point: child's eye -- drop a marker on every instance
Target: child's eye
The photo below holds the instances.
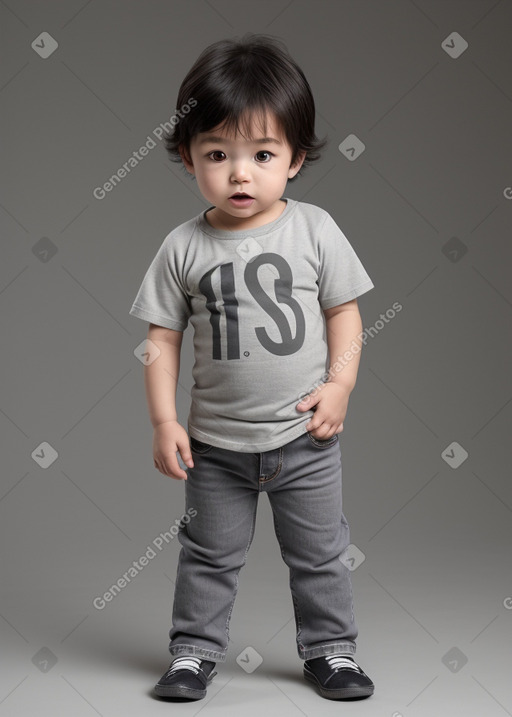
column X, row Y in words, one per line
column 216, row 158
column 264, row 152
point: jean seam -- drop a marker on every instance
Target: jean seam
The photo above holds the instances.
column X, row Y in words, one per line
column 298, row 616
column 319, row 443
column 331, row 649
column 178, row 567
column 186, row 649
column 197, row 449
column 251, row 535
column 266, row 479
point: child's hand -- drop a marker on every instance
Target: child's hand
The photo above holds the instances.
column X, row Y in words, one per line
column 168, row 438
column 331, row 401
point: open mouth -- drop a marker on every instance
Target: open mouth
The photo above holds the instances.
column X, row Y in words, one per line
column 241, row 200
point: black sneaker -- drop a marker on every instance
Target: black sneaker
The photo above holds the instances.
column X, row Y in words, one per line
column 338, row 677
column 186, row 677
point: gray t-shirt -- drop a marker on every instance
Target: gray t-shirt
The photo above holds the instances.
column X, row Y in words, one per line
column 255, row 300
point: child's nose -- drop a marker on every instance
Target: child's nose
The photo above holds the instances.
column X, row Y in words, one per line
column 240, row 171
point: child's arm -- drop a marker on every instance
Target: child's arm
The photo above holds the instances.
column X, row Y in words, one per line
column 161, row 379
column 344, row 330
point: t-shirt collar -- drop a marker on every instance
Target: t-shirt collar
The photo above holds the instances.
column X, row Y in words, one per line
column 206, row 228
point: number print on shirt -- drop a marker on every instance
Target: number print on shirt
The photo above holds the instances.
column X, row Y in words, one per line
column 283, row 290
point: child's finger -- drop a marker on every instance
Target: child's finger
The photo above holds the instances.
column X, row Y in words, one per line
column 175, row 470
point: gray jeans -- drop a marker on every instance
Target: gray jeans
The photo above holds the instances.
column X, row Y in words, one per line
column 303, row 482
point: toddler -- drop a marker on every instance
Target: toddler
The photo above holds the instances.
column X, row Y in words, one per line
column 269, row 284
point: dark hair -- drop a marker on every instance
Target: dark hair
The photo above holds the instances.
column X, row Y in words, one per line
column 231, row 81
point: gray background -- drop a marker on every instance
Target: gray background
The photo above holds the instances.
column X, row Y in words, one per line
column 427, row 208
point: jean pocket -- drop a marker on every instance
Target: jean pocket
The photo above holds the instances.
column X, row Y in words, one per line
column 198, row 446
column 323, row 442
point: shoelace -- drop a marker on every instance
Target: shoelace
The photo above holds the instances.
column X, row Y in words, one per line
column 342, row 662
column 185, row 663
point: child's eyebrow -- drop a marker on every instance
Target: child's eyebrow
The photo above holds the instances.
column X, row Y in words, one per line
column 213, row 138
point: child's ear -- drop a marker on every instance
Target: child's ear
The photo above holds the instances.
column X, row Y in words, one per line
column 186, row 159
column 298, row 164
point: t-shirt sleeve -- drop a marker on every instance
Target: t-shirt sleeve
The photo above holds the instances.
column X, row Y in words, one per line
column 162, row 298
column 341, row 276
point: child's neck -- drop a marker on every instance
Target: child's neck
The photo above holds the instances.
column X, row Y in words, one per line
column 226, row 222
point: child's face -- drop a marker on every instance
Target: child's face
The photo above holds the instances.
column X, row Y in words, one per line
column 226, row 164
